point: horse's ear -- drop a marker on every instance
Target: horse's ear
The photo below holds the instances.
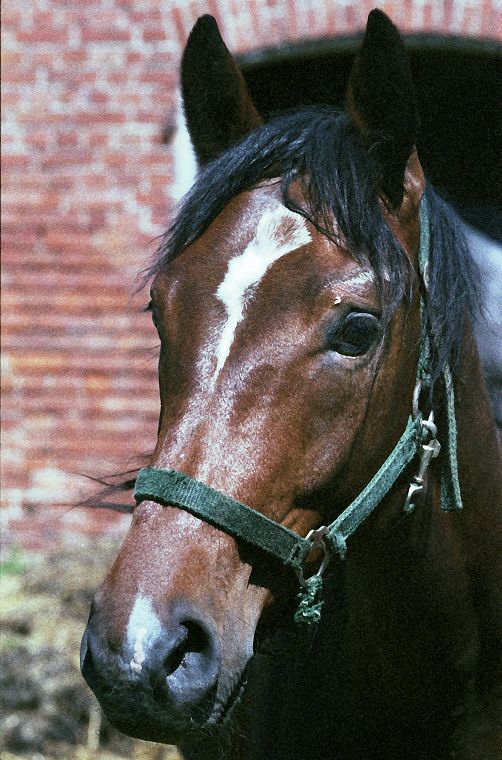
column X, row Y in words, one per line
column 218, row 108
column 381, row 102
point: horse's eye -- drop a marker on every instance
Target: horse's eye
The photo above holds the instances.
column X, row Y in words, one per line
column 355, row 335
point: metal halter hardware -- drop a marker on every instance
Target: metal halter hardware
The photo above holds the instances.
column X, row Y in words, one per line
column 176, row 489
column 429, row 449
column 316, row 537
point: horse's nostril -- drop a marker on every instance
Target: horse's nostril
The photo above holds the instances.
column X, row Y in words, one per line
column 190, row 664
column 194, row 639
column 197, row 638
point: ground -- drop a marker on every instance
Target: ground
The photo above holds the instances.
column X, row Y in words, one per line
column 47, row 710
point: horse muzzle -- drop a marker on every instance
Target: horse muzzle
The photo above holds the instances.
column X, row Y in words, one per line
column 161, row 681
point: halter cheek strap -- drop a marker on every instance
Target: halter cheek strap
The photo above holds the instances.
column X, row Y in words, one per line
column 172, row 488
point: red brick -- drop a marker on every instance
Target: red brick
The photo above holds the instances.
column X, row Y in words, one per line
column 40, row 140
column 150, row 15
column 43, row 33
column 17, row 239
column 68, row 139
column 154, row 34
column 63, row 157
column 98, row 139
column 74, row 57
column 11, row 18
column 99, row 97
column 40, row 57
column 14, row 161
column 100, row 34
column 134, row 57
column 159, row 76
column 99, row 117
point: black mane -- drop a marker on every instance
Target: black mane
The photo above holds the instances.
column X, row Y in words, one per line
column 321, row 148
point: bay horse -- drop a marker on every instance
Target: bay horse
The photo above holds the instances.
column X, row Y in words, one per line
column 325, row 433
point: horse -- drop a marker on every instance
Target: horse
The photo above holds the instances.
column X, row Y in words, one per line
column 314, row 564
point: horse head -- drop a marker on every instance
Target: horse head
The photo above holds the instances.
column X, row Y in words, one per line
column 286, row 298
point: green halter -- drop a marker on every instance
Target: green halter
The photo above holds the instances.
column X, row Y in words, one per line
column 172, row 488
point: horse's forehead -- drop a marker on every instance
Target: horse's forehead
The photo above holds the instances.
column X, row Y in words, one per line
column 240, row 249
column 266, row 232
column 253, row 232
column 259, row 230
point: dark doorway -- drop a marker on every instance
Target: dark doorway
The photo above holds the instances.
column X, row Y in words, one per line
column 459, row 92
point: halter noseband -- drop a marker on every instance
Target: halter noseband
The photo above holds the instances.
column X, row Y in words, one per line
column 172, row 488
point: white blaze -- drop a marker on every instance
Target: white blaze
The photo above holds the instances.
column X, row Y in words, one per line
column 279, row 232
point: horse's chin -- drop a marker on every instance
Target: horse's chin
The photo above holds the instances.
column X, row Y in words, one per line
column 152, row 728
column 168, row 725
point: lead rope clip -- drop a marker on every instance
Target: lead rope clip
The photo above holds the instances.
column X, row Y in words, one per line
column 428, row 451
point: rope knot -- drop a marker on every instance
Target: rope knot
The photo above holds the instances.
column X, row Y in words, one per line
column 310, row 605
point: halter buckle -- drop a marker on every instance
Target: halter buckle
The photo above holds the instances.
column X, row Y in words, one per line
column 316, row 538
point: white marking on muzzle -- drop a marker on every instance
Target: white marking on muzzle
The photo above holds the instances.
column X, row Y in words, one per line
column 143, row 622
column 139, row 654
column 279, row 232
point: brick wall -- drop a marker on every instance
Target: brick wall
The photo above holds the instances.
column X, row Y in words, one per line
column 89, row 90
